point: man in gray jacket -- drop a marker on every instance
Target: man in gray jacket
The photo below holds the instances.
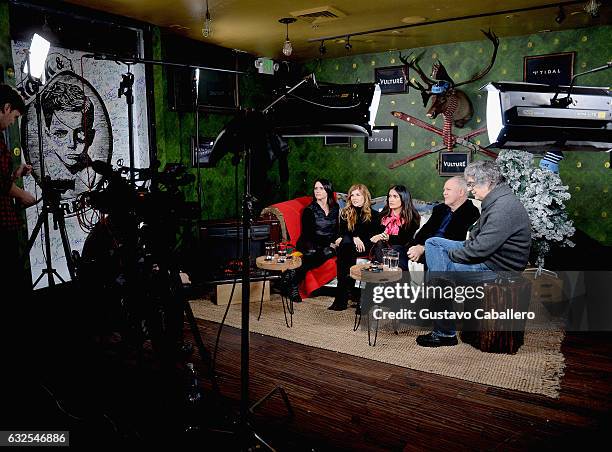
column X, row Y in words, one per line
column 500, row 241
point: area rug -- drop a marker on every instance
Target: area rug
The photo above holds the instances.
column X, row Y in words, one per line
column 536, row 368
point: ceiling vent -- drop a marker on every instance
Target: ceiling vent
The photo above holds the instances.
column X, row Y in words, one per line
column 318, row 15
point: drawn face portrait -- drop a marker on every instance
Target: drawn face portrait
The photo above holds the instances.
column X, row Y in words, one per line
column 75, row 131
column 67, row 138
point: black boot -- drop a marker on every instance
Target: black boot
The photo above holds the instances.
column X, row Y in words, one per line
column 293, row 292
column 340, row 302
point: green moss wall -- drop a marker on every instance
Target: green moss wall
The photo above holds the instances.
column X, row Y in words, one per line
column 586, row 173
column 174, row 131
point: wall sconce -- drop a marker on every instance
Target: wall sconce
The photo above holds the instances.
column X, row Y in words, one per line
column 287, row 47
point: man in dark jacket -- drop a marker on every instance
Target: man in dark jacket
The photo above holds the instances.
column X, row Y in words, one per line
column 500, row 241
column 450, row 220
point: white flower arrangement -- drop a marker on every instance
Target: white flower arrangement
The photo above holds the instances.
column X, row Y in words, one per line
column 543, row 196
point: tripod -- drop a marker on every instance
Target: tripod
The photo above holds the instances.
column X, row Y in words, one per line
column 51, row 205
column 51, row 196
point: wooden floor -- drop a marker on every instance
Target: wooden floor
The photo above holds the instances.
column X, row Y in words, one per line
column 346, row 402
column 60, row 377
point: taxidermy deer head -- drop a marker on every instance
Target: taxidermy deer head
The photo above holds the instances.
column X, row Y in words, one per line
column 446, row 99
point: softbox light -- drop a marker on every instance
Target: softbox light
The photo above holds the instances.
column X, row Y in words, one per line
column 37, row 56
column 329, row 110
column 520, row 115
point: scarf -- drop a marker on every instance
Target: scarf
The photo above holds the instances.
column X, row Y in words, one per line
column 392, row 224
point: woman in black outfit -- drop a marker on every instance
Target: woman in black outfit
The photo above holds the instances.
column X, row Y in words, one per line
column 319, row 230
column 399, row 222
column 358, row 222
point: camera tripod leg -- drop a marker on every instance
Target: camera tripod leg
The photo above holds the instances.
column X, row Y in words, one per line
column 263, row 442
column 61, row 223
column 35, row 232
column 43, row 220
column 283, row 394
column 204, row 354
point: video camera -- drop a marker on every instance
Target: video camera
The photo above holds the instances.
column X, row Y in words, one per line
column 57, row 185
column 118, row 197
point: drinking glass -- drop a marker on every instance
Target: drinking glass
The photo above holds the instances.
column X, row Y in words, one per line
column 282, row 253
column 270, row 250
column 385, row 262
column 393, row 257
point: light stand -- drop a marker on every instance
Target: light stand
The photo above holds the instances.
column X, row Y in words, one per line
column 126, row 89
column 358, row 111
column 247, row 432
column 566, row 101
column 51, row 195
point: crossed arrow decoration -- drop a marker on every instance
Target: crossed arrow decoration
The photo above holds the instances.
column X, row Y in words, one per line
column 463, row 140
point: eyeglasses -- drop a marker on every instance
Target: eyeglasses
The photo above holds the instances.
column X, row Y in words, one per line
column 470, row 185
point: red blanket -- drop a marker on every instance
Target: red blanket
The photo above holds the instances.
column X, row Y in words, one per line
column 292, row 213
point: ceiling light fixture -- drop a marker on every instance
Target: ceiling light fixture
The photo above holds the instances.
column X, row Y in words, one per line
column 592, row 8
column 560, row 15
column 207, row 27
column 348, row 46
column 287, row 47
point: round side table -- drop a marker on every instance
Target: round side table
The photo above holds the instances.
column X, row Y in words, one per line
column 359, row 272
column 274, row 266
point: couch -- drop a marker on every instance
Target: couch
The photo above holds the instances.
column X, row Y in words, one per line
column 289, row 213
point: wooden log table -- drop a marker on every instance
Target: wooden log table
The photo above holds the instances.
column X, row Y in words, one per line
column 500, row 336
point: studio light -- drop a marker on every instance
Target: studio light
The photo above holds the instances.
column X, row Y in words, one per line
column 287, row 47
column 334, row 110
column 521, row 115
column 37, row 56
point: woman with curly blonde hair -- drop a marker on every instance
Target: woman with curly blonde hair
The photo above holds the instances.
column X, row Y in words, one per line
column 358, row 222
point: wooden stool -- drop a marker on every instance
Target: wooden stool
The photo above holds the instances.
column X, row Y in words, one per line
column 487, row 335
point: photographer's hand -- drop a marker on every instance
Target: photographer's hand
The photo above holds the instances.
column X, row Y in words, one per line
column 25, row 198
column 22, row 170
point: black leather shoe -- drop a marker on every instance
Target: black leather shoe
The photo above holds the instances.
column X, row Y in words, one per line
column 338, row 305
column 431, row 340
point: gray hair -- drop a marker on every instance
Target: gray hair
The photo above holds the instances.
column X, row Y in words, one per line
column 484, row 172
column 461, row 182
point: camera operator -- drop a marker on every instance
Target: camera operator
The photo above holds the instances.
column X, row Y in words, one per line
column 130, row 258
column 12, row 262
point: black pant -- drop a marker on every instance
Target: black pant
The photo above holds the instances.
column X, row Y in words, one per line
column 347, row 257
column 313, row 258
